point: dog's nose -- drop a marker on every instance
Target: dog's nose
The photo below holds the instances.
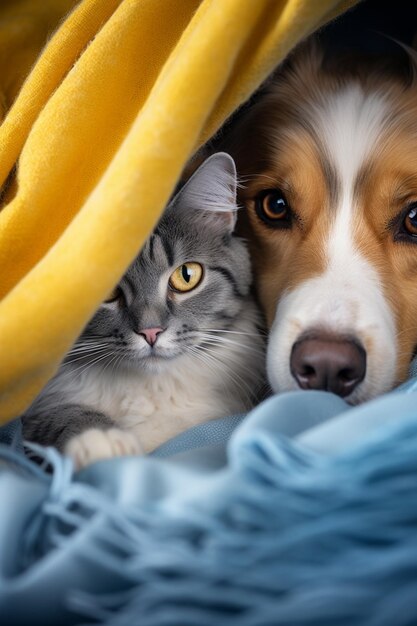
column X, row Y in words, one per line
column 330, row 364
column 151, row 334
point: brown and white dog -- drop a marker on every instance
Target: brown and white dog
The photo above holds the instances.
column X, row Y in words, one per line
column 328, row 161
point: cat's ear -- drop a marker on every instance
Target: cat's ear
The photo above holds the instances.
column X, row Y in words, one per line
column 210, row 194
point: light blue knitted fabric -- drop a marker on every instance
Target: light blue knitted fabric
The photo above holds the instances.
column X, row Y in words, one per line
column 304, row 514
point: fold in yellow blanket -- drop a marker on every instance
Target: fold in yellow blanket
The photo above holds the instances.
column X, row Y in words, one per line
column 94, row 141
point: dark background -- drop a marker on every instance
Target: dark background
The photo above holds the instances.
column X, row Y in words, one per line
column 361, row 27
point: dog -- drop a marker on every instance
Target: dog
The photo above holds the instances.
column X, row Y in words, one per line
column 327, row 156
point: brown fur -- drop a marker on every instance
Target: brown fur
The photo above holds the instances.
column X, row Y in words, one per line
column 275, row 145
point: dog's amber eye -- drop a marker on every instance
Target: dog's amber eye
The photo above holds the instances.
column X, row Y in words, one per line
column 273, row 208
column 186, row 277
column 410, row 222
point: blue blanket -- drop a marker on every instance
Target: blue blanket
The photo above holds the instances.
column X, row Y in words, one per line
column 303, row 513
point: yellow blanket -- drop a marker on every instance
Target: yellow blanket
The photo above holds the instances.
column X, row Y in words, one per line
column 96, row 138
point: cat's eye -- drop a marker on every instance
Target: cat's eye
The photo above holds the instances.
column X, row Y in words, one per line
column 114, row 295
column 273, row 209
column 186, row 277
column 410, row 222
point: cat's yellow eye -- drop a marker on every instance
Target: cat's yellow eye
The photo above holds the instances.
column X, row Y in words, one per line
column 186, row 277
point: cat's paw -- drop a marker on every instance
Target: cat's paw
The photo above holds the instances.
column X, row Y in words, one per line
column 95, row 444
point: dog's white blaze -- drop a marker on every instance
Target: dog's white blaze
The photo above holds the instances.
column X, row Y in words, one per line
column 348, row 297
column 350, row 125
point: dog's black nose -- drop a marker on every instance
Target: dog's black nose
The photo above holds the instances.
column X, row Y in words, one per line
column 328, row 363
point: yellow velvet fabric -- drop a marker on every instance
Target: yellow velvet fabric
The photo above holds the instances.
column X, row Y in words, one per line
column 122, row 94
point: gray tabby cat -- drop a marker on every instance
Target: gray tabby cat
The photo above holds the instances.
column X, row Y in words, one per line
column 176, row 343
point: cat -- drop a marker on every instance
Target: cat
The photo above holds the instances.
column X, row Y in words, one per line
column 177, row 343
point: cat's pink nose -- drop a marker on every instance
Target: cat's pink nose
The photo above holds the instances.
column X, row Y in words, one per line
column 151, row 334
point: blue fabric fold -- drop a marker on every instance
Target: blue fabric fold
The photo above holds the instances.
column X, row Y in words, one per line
column 302, row 513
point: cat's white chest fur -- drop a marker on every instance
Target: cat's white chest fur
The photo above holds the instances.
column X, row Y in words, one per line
column 155, row 407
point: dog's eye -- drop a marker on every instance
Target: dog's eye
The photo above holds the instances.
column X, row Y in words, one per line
column 410, row 222
column 273, row 208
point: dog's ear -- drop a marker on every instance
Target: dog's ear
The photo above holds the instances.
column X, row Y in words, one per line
column 210, row 194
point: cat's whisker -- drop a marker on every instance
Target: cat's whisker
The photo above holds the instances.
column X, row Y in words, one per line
column 83, row 340
column 85, row 352
column 202, row 357
column 216, row 335
column 235, row 358
column 86, row 366
column 214, row 365
column 234, row 376
column 225, row 341
column 84, row 356
column 240, row 365
column 107, row 363
column 111, row 363
column 119, row 361
column 80, row 346
column 88, row 348
column 233, row 332
column 92, row 337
